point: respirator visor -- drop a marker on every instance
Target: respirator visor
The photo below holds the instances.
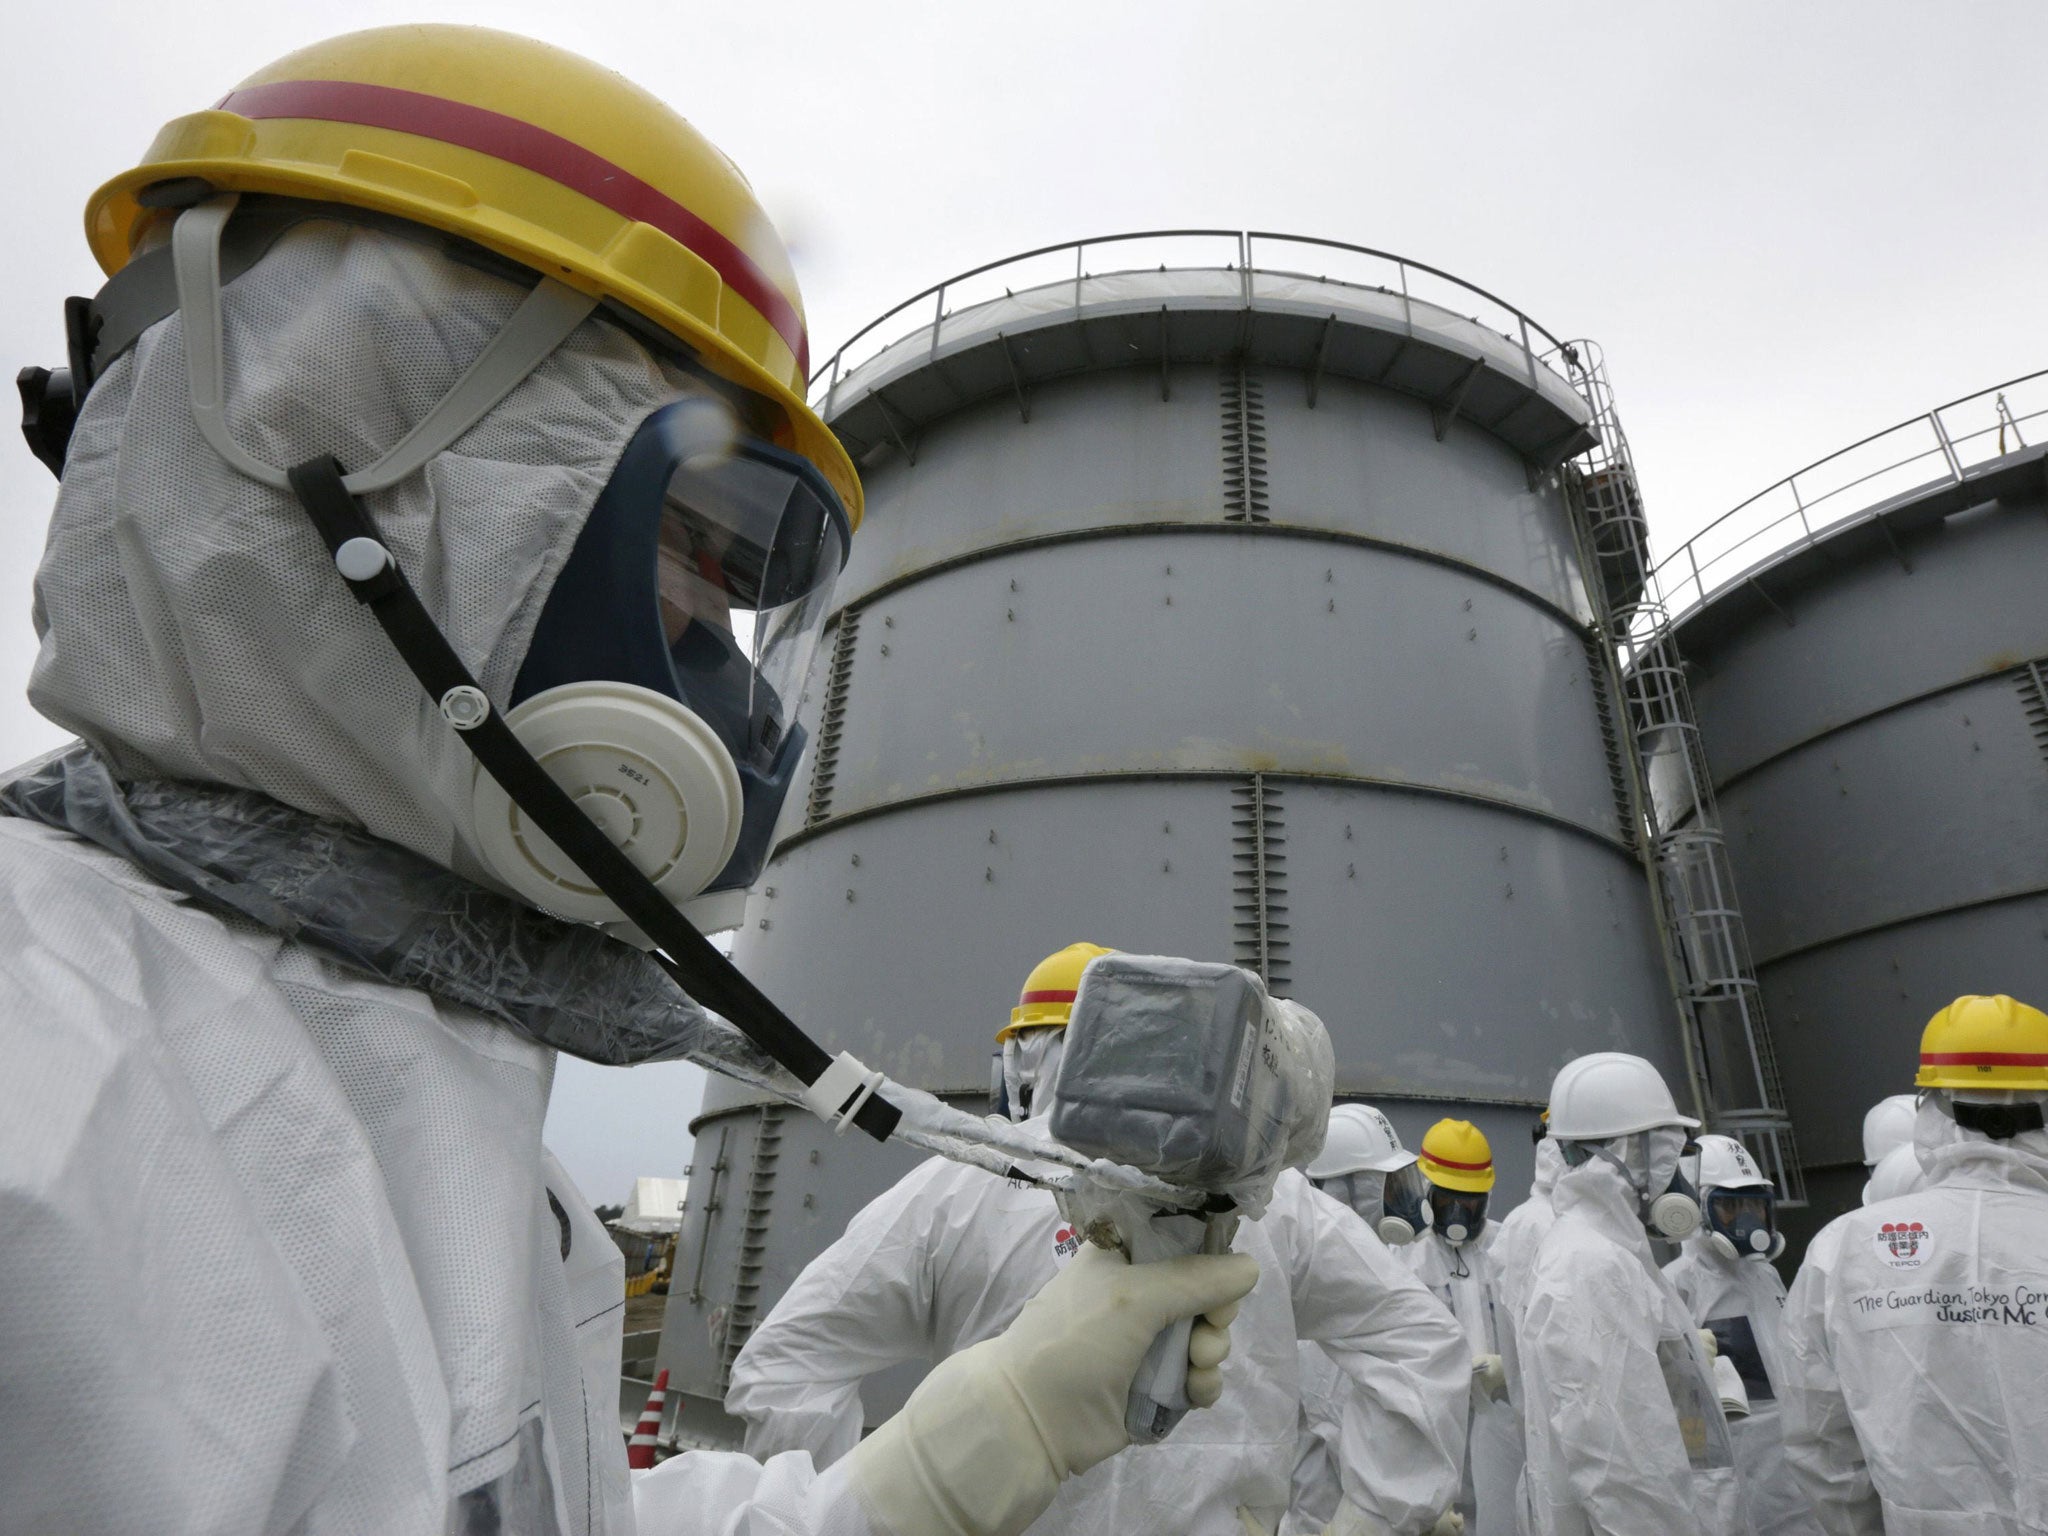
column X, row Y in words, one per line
column 1406, row 1197
column 751, row 542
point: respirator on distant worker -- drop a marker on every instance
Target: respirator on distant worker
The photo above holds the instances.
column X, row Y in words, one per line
column 1740, row 1204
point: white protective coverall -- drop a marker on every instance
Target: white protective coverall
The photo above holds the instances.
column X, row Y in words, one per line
column 1625, row 1435
column 282, row 1249
column 1512, row 1260
column 1743, row 1301
column 1916, row 1349
column 1518, row 1235
column 946, row 1258
column 1460, row 1275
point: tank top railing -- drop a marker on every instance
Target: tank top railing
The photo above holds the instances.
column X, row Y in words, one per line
column 1060, row 276
column 1853, row 485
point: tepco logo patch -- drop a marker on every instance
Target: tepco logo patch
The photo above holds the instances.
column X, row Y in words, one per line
column 1904, row 1244
column 1066, row 1242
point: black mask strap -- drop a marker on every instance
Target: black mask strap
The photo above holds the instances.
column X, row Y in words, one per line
column 2001, row 1122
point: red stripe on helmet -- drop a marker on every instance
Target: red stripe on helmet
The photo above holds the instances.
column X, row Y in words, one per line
column 1445, row 1162
column 1984, row 1058
column 1044, row 997
column 535, row 149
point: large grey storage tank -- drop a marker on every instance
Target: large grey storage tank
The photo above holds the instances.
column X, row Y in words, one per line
column 1203, row 607
column 1868, row 670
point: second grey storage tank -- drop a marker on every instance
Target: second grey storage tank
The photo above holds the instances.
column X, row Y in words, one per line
column 1870, row 670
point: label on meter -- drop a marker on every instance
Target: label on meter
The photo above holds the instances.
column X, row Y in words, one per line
column 1247, row 1053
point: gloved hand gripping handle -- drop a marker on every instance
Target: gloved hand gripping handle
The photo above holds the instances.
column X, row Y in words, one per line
column 1159, row 1393
column 376, row 581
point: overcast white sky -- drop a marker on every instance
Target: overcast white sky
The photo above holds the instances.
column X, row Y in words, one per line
column 1788, row 224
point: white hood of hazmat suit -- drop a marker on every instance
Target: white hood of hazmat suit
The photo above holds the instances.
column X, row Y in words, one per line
column 1916, row 1345
column 192, row 623
column 1460, row 1275
column 283, row 1249
column 948, row 1256
column 1743, row 1301
column 1623, row 1421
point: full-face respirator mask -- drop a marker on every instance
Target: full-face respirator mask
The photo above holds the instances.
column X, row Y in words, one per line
column 1653, row 1162
column 661, row 685
column 1742, row 1224
column 1457, row 1215
column 1740, row 1202
column 1395, row 1205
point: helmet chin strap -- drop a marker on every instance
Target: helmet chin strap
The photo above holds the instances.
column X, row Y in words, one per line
column 838, row 1089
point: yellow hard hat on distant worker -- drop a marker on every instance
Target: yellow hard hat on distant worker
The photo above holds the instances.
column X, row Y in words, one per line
column 1048, row 996
column 1985, row 1042
column 531, row 152
column 1455, row 1155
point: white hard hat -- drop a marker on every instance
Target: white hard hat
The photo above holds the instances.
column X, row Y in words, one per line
column 1889, row 1124
column 1725, row 1163
column 1897, row 1173
column 1610, row 1093
column 1360, row 1140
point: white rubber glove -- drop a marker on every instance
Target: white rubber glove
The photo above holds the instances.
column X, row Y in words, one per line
column 1711, row 1344
column 983, row 1444
column 1449, row 1523
column 1491, row 1376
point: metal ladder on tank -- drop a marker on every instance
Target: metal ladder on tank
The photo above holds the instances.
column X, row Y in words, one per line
column 1728, row 1039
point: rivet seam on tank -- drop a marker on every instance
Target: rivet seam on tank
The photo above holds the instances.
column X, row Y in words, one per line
column 832, row 718
column 1243, row 400
column 2033, row 687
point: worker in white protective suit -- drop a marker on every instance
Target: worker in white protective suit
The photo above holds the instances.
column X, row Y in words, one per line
column 1454, row 1259
column 1916, row 1332
column 1726, row 1277
column 1887, row 1128
column 945, row 1258
column 1517, row 1238
column 1623, row 1420
column 281, row 1010
column 1364, row 1167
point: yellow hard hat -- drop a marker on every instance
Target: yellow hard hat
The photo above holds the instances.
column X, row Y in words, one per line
column 531, row 151
column 1455, row 1156
column 1048, row 996
column 1985, row 1042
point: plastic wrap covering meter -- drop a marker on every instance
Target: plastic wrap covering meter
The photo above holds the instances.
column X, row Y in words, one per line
column 1185, row 1070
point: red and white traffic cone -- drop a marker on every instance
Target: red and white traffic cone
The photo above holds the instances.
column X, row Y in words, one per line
column 640, row 1449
